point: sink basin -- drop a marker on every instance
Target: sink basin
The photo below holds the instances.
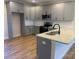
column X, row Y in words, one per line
column 52, row 33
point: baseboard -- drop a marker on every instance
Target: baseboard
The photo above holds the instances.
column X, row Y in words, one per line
column 14, row 36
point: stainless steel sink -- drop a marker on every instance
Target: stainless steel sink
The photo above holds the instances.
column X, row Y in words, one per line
column 52, row 33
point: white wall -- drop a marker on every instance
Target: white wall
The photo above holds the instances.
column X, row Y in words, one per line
column 39, row 23
column 6, row 36
column 69, row 24
column 29, row 23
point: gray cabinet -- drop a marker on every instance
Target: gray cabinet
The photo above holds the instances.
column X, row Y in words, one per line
column 69, row 11
column 16, row 7
column 26, row 30
column 43, row 48
column 63, row 11
column 32, row 30
column 32, row 13
column 50, row 49
column 38, row 13
column 41, row 10
column 29, row 30
column 46, row 9
column 36, row 29
column 27, row 12
column 57, row 11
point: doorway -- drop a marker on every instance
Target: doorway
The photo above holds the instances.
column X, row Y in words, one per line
column 16, row 26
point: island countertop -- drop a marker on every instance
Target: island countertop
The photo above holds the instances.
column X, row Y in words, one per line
column 66, row 35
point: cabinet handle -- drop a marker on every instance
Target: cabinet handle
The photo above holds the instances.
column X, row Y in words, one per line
column 63, row 18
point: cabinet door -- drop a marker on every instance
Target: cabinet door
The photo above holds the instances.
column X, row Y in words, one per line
column 27, row 12
column 46, row 9
column 16, row 7
column 36, row 29
column 38, row 13
column 58, row 11
column 32, row 13
column 26, row 30
column 21, row 8
column 69, row 11
column 13, row 7
column 43, row 48
column 31, row 28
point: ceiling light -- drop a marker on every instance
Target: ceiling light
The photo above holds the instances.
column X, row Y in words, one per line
column 33, row 1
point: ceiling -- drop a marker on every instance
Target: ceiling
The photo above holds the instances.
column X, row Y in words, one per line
column 41, row 1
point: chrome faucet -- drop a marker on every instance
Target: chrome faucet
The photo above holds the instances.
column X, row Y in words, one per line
column 58, row 26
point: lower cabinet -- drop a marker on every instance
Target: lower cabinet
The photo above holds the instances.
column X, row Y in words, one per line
column 36, row 30
column 43, row 48
column 29, row 30
column 49, row 49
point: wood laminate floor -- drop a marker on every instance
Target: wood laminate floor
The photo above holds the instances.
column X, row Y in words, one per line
column 25, row 48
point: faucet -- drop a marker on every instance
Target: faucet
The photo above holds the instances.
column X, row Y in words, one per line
column 58, row 26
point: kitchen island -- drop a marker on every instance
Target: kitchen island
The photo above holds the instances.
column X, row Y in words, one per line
column 54, row 46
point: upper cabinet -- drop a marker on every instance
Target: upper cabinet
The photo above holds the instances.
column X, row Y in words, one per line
column 63, row 11
column 32, row 13
column 46, row 10
column 29, row 12
column 38, row 13
column 69, row 11
column 16, row 7
column 57, row 11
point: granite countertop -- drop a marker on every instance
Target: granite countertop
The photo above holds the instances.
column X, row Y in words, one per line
column 66, row 35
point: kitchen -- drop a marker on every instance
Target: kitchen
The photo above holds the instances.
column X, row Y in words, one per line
column 25, row 19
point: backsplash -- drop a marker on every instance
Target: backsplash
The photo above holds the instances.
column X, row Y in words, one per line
column 29, row 23
column 69, row 24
